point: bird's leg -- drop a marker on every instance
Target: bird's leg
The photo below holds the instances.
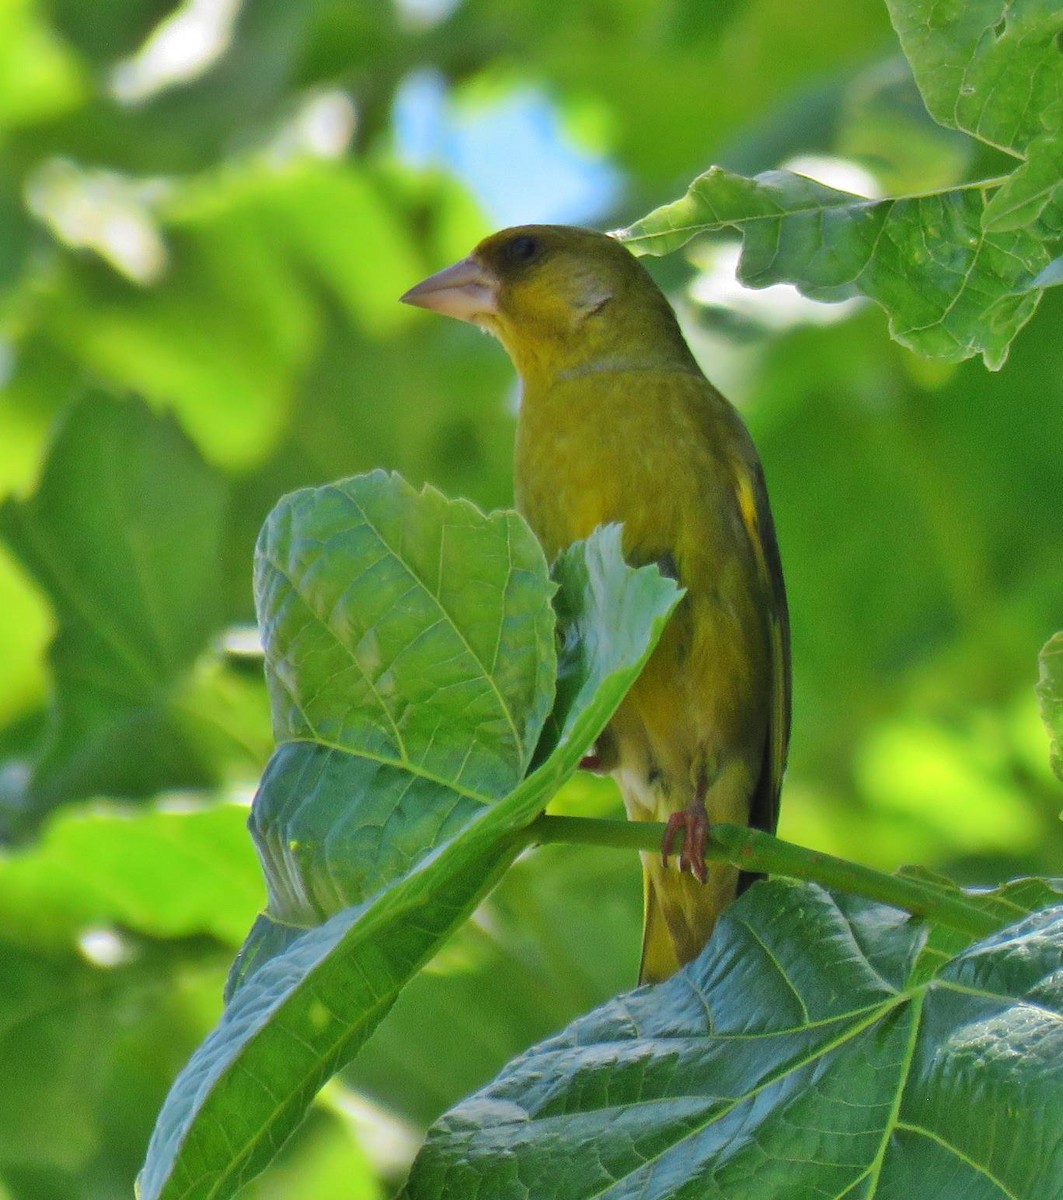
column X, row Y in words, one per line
column 694, row 823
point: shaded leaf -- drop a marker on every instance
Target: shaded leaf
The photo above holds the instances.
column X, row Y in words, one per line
column 67, row 1026
column 303, row 1012
column 799, row 1055
column 951, row 288
column 54, row 1013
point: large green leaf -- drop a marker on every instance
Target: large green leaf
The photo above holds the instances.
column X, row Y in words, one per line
column 815, row 1048
column 951, row 287
column 990, row 67
column 124, row 534
column 305, row 1010
column 1050, row 693
column 410, row 660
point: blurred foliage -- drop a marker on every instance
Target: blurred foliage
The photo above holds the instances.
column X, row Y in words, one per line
column 225, row 235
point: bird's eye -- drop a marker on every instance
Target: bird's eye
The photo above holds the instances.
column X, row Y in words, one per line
column 523, row 249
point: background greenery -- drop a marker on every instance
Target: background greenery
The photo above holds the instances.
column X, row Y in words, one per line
column 227, row 245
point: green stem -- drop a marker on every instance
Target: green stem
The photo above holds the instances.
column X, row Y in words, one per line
column 755, row 850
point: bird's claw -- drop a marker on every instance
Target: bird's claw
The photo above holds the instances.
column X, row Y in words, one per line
column 693, row 821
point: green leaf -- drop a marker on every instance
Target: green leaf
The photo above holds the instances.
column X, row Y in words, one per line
column 410, row 660
column 85, row 1043
column 159, row 873
column 124, row 534
column 800, row 1055
column 1050, row 694
column 1033, row 192
column 359, row 555
column 950, row 287
column 989, row 67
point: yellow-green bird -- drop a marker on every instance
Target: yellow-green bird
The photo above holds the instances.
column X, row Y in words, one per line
column 618, row 423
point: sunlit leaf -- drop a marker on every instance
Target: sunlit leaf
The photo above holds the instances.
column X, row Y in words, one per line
column 234, row 309
column 990, row 67
column 808, row 1051
column 950, row 287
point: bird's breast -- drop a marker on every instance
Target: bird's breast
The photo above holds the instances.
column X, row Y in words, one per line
column 630, row 447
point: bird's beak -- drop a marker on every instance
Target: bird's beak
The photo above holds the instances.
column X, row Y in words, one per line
column 467, row 290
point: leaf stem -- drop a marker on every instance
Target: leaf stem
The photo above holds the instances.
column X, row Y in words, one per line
column 755, row 850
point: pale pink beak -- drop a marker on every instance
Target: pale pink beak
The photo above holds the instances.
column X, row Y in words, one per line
column 466, row 290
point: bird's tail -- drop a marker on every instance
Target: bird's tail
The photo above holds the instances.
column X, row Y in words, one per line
column 680, row 914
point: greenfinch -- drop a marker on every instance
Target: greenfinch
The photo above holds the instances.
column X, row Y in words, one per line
column 617, row 423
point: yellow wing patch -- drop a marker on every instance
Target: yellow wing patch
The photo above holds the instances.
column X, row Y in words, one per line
column 747, row 504
column 750, row 505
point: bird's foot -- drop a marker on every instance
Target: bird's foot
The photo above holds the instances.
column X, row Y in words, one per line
column 693, row 821
column 592, row 762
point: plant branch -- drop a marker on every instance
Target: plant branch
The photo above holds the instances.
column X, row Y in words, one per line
column 755, row 850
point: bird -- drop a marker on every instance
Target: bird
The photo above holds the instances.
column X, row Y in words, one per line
column 618, row 423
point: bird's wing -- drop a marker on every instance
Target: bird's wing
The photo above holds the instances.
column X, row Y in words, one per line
column 756, row 516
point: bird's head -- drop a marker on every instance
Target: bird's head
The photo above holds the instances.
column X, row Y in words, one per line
column 558, row 298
